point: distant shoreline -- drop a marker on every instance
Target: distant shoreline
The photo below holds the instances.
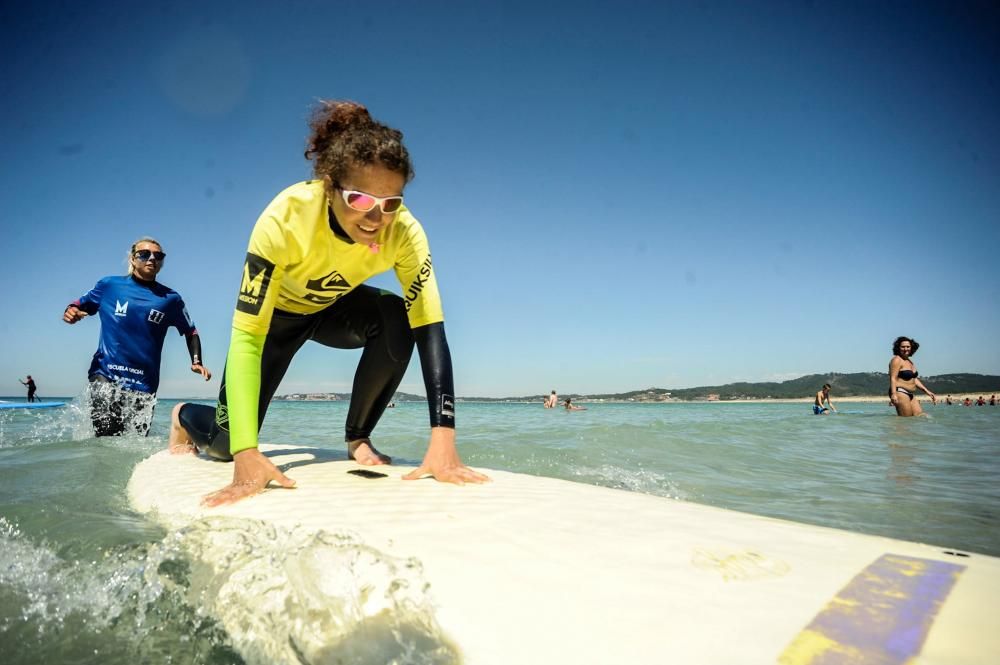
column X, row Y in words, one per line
column 858, row 387
column 864, row 386
column 956, row 398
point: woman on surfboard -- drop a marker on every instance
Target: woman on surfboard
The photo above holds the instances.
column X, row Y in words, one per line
column 903, row 381
column 309, row 255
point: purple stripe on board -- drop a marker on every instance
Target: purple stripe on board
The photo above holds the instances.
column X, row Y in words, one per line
column 882, row 616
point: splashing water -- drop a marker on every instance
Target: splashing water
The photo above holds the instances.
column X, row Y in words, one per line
column 110, row 402
column 118, row 606
column 637, row 479
column 73, row 421
column 291, row 596
column 280, row 595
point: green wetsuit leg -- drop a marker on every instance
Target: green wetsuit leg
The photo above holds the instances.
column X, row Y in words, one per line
column 287, row 334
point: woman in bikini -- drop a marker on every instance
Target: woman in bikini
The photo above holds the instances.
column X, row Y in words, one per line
column 903, row 381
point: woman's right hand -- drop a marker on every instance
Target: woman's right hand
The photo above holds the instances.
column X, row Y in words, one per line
column 252, row 471
column 72, row 314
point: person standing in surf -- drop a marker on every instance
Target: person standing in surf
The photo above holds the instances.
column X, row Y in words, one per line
column 30, row 383
column 309, row 254
column 903, row 381
column 823, row 396
column 135, row 311
column 551, row 400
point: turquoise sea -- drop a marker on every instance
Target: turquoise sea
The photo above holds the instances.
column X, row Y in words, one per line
column 83, row 579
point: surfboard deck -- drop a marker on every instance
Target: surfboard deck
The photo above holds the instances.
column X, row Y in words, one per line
column 30, row 405
column 529, row 569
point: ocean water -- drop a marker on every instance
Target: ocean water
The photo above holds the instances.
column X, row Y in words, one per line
column 83, row 579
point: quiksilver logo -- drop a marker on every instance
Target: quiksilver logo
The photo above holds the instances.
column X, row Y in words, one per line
column 222, row 416
column 257, row 273
column 417, row 285
column 447, row 406
column 330, row 287
column 155, row 316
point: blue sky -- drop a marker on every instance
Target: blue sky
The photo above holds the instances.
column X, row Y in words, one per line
column 618, row 194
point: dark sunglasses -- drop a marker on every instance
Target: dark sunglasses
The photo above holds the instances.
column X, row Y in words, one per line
column 147, row 254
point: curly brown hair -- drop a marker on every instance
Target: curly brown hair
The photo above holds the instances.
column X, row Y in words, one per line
column 899, row 340
column 345, row 136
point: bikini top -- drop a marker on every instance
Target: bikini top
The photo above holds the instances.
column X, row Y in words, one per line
column 907, row 374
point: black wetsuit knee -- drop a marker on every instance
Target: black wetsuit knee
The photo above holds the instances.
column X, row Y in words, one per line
column 198, row 420
column 388, row 347
column 396, row 328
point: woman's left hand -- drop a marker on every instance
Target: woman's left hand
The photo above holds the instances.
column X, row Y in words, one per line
column 442, row 461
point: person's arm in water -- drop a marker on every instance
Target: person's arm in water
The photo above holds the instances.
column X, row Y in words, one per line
column 441, row 459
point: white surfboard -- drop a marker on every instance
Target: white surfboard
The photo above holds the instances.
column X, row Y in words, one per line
column 527, row 569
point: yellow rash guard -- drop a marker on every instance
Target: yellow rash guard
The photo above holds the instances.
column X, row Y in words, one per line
column 296, row 263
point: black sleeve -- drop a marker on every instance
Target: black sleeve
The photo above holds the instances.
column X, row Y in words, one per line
column 194, row 348
column 435, row 361
column 90, row 308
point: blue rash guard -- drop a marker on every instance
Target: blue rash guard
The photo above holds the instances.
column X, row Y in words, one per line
column 134, row 317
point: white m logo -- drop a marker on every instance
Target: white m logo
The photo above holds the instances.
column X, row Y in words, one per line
column 120, row 309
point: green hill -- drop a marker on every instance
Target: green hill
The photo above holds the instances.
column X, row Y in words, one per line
column 843, row 385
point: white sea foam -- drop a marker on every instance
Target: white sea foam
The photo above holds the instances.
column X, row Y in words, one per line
column 646, row 481
column 291, row 596
column 99, row 592
column 284, row 596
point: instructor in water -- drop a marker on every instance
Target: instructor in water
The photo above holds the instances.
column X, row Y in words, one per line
column 135, row 311
column 303, row 279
